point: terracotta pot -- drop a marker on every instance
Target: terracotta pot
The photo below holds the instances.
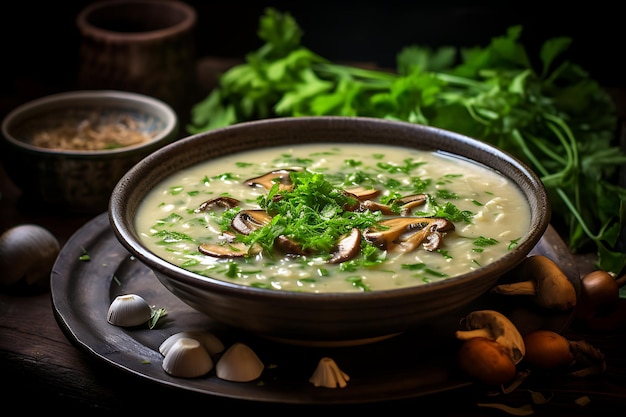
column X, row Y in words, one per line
column 143, row 46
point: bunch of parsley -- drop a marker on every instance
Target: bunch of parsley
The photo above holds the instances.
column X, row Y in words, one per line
column 556, row 119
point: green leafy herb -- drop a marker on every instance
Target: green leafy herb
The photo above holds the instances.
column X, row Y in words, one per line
column 169, row 237
column 175, row 190
column 312, row 213
column 554, row 118
column 157, row 315
column 85, row 256
column 357, row 282
column 513, row 243
column 482, row 241
column 485, row 241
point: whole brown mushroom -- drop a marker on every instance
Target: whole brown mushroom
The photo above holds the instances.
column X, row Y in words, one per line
column 599, row 293
column 544, row 281
column 486, row 360
column 496, row 326
column 546, row 349
column 599, row 307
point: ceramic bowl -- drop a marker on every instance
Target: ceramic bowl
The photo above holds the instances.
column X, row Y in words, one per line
column 144, row 46
column 320, row 317
column 57, row 148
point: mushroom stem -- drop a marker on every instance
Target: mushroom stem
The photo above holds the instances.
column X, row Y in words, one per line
column 588, row 357
column 545, row 281
column 516, row 288
column 470, row 334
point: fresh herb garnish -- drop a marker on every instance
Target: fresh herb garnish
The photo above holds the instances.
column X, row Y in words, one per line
column 157, row 315
column 312, row 213
column 84, row 256
column 169, row 237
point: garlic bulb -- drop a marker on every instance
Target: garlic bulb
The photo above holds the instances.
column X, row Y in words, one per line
column 129, row 310
column 210, row 342
column 187, row 358
column 239, row 364
column 327, row 374
column 27, row 254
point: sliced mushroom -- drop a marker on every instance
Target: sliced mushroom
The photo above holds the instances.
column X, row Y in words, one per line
column 430, row 235
column 247, row 221
column 422, row 229
column 231, row 250
column 363, row 193
column 353, row 203
column 289, row 246
column 228, row 236
column 386, row 233
column 409, row 202
column 375, row 206
column 347, row 247
column 267, row 181
column 495, row 326
column 222, row 202
column 544, row 281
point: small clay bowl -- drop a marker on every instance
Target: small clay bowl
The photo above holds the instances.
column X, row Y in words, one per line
column 67, row 151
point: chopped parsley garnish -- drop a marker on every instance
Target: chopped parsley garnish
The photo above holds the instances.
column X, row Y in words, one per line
column 312, row 213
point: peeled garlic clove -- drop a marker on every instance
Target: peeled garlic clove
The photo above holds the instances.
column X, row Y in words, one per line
column 129, row 310
column 211, row 343
column 187, row 358
column 27, row 253
column 239, row 364
column 327, row 374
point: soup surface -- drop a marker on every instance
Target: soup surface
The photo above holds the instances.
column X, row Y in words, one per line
column 418, row 217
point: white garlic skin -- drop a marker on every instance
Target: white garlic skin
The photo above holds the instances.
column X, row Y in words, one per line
column 129, row 310
column 27, row 253
column 211, row 343
column 187, row 358
column 239, row 364
column 327, row 374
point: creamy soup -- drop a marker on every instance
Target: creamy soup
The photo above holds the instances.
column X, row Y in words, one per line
column 373, row 218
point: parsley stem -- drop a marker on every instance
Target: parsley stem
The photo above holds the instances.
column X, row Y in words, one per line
column 462, row 81
column 544, row 175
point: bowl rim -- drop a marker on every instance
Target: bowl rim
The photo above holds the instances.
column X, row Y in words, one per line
column 89, row 29
column 123, row 227
column 104, row 98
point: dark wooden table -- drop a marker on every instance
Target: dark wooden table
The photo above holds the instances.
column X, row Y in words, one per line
column 43, row 370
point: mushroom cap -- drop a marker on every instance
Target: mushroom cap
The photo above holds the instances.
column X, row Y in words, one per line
column 267, row 180
column 347, row 248
column 408, row 232
column 554, row 289
column 544, row 281
column 496, row 326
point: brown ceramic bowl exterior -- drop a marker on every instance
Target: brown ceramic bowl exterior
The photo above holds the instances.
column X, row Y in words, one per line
column 308, row 316
column 79, row 181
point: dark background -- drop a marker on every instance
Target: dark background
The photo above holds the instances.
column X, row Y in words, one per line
column 40, row 41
